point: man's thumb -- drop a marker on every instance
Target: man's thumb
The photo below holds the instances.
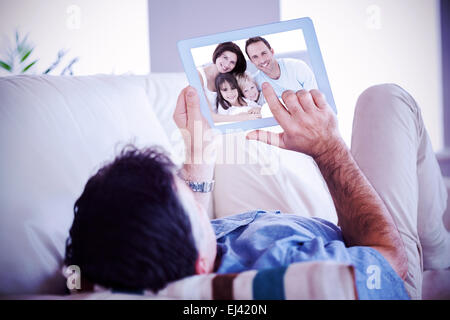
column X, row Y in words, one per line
column 192, row 99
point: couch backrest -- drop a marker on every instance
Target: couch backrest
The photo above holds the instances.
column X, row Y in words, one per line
column 55, row 132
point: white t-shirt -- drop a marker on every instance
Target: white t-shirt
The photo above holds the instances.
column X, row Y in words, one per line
column 210, row 95
column 295, row 75
column 238, row 109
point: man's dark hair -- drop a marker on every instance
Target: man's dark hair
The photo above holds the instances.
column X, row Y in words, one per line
column 254, row 40
column 130, row 231
column 241, row 63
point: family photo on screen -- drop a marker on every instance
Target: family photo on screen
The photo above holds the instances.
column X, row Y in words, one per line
column 232, row 82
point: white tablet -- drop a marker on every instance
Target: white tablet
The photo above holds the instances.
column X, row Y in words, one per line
column 228, row 68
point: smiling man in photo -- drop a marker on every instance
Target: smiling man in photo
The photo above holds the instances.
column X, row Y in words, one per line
column 283, row 73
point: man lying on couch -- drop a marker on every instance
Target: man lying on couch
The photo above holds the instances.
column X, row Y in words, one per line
column 140, row 223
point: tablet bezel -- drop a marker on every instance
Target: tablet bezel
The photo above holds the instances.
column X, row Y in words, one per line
column 313, row 49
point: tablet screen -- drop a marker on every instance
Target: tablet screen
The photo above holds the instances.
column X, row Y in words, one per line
column 229, row 69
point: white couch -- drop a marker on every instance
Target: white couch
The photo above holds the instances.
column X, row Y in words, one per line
column 55, row 132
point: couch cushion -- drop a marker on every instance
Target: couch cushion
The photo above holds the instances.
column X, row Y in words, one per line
column 55, row 132
column 162, row 91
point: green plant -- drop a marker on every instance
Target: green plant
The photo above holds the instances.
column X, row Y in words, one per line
column 18, row 59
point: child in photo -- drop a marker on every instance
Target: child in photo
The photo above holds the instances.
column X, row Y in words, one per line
column 251, row 91
column 249, row 88
column 230, row 99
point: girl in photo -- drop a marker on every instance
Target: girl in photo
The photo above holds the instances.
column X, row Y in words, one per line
column 230, row 99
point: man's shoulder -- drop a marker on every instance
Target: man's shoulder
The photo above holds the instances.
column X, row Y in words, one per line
column 225, row 225
column 292, row 62
column 244, row 217
column 230, row 223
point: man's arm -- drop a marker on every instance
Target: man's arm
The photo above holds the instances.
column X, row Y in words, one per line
column 363, row 217
column 310, row 127
column 199, row 173
column 198, row 140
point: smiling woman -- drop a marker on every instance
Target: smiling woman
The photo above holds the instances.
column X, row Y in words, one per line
column 227, row 59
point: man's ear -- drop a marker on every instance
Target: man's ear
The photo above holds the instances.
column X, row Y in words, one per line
column 201, row 266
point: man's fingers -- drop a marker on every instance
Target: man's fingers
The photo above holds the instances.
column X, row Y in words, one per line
column 291, row 101
column 306, row 101
column 278, row 111
column 319, row 99
column 271, row 138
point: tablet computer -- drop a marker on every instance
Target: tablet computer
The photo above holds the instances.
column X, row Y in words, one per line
column 228, row 68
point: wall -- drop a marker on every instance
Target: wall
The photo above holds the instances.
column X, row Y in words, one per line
column 445, row 36
column 366, row 42
column 444, row 156
column 363, row 42
column 108, row 36
column 174, row 20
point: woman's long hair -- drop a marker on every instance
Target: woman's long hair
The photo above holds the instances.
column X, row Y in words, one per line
column 220, row 79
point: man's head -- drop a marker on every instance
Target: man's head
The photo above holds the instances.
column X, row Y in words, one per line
column 137, row 225
column 261, row 54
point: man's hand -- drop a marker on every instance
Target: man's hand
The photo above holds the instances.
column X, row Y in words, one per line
column 193, row 126
column 199, row 141
column 309, row 124
column 187, row 110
